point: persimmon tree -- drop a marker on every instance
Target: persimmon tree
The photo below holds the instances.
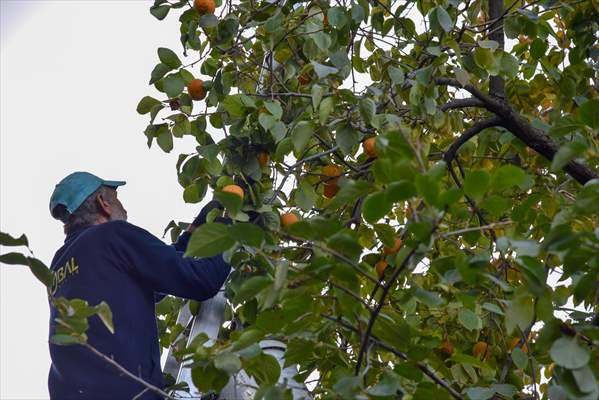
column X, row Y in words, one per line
column 413, row 187
column 441, row 159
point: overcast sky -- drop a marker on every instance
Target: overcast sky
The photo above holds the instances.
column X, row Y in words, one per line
column 72, row 73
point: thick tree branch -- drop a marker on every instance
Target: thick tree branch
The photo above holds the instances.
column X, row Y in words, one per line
column 468, row 134
column 533, row 137
column 462, row 103
column 496, row 83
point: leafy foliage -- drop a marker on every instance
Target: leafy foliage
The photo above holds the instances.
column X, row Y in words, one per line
column 467, row 129
column 484, row 164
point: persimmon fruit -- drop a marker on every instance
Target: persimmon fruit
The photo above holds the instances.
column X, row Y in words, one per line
column 369, row 147
column 288, row 219
column 204, row 6
column 196, row 89
column 235, row 189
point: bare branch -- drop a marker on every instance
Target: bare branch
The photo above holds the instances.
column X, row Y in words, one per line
column 118, row 366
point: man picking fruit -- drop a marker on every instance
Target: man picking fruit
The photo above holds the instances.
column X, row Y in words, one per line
column 105, row 258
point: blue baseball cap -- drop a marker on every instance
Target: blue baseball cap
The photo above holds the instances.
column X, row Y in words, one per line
column 72, row 191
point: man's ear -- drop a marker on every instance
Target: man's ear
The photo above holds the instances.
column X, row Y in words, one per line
column 103, row 205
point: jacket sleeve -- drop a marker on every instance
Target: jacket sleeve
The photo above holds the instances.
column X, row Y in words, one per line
column 162, row 267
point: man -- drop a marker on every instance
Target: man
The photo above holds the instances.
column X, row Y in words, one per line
column 104, row 258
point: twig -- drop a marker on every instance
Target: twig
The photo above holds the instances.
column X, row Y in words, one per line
column 420, row 365
column 476, row 228
column 118, row 366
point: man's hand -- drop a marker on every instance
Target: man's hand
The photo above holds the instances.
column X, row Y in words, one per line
column 201, row 218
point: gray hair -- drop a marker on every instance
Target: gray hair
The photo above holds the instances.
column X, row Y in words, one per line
column 88, row 212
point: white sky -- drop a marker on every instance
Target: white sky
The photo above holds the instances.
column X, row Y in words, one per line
column 72, row 73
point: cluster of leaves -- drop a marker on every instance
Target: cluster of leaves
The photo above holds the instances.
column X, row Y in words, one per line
column 72, row 314
column 488, row 225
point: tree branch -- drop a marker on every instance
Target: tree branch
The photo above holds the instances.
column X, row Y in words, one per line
column 468, row 134
column 533, row 137
column 462, row 103
column 421, row 366
column 496, row 83
column 137, row 379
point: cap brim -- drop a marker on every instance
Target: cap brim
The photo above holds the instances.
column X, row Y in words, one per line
column 113, row 183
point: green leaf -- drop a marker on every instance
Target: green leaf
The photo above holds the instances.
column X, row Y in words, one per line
column 158, row 72
column 7, row 240
column 234, row 105
column 160, row 11
column 105, row 315
column 168, row 57
column 509, row 65
column 396, row 74
column 323, row 70
column 251, row 287
column 375, row 207
column 247, row 233
column 267, row 121
column 431, row 299
column 462, row 76
column 265, row 369
column 424, row 75
column 567, row 153
column 477, row 183
column 388, row 385
column 469, row 320
column 248, row 337
column 173, row 85
column 483, row 58
column 14, row 259
column 488, row 44
column 519, row 313
column 228, row 362
column 145, row 105
column 209, row 240
column 164, row 138
column 230, row 201
column 568, row 353
column 538, row 48
column 519, row 357
column 347, row 137
column 325, row 109
column 305, row 196
column 494, row 308
column 508, row 176
column 41, row 271
column 350, row 191
column 317, row 91
column 301, row 134
column 585, row 380
column 444, row 19
column 589, row 113
column 208, row 21
column 367, row 109
column 274, row 107
column 337, row 17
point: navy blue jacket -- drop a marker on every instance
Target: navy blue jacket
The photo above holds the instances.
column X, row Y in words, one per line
column 123, row 265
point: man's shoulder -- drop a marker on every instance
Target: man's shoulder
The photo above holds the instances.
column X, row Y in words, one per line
column 111, row 228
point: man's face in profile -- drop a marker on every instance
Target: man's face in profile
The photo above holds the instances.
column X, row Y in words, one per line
column 118, row 211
